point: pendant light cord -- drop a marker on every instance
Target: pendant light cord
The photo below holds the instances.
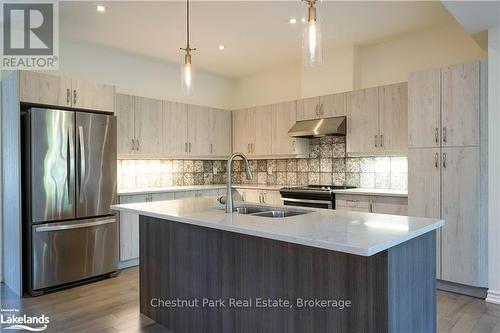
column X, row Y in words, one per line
column 187, row 22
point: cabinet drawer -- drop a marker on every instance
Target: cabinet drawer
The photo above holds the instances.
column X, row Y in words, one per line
column 352, row 202
column 390, row 205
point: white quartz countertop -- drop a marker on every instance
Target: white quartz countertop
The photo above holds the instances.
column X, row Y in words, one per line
column 169, row 189
column 368, row 191
column 357, row 233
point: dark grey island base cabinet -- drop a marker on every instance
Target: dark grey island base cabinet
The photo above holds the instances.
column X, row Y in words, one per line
column 391, row 291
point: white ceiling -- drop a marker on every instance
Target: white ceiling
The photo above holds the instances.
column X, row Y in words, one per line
column 256, row 34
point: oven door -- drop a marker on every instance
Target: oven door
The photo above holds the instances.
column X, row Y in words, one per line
column 315, row 203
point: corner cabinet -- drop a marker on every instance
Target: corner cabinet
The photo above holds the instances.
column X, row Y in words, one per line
column 377, row 120
column 51, row 90
column 445, row 166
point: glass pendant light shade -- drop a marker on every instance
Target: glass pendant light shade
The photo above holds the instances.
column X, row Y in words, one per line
column 187, row 74
column 311, row 42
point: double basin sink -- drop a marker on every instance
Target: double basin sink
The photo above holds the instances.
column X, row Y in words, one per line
column 271, row 212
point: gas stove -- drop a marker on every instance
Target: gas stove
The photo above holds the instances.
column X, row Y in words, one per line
column 319, row 196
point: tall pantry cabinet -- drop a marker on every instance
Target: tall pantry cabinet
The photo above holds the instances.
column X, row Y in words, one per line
column 446, row 163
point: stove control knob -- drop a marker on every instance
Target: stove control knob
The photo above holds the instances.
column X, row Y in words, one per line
column 328, row 188
column 323, row 188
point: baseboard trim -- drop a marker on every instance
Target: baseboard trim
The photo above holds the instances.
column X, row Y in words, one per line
column 128, row 263
column 463, row 289
column 493, row 297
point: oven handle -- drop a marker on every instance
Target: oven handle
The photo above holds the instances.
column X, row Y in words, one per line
column 329, row 203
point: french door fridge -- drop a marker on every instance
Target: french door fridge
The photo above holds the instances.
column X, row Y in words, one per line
column 69, row 175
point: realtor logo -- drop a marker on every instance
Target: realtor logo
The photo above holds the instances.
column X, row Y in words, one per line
column 30, row 35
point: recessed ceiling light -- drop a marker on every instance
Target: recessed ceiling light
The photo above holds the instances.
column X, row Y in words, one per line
column 101, row 8
column 292, row 21
column 221, row 47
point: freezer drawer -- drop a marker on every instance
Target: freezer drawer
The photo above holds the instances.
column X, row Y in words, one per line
column 71, row 251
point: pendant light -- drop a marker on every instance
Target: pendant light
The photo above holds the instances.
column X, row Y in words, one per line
column 311, row 42
column 186, row 65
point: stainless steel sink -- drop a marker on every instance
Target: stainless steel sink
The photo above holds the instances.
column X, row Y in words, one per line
column 267, row 211
column 281, row 213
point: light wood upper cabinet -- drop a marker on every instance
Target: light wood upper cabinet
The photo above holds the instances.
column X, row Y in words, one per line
column 148, row 126
column 262, row 141
column 332, row 105
column 308, row 108
column 243, row 130
column 220, row 123
column 461, row 240
column 175, row 129
column 93, row 96
column 362, row 121
column 283, row 118
column 199, row 130
column 424, row 112
column 54, row 90
column 321, row 107
column 460, row 105
column 44, row 89
column 125, row 124
column 393, row 117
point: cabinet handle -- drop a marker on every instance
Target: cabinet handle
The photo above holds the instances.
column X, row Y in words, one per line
column 185, row 147
column 211, row 148
column 371, row 205
column 293, row 146
column 74, row 97
column 252, row 150
column 248, row 148
column 68, row 96
column 321, row 109
column 244, row 196
column 133, row 145
column 436, row 160
column 317, row 111
column 352, row 200
column 376, row 137
column 444, row 134
column 190, row 147
column 436, row 135
column 381, row 140
column 444, row 160
column 137, row 144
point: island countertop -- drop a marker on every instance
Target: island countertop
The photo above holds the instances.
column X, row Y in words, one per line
column 357, row 233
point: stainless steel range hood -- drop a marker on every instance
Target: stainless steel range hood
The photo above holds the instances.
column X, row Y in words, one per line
column 316, row 128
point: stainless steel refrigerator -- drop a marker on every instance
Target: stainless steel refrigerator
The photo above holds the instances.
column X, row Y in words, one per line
column 69, row 176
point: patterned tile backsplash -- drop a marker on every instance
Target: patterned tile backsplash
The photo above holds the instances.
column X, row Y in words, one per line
column 327, row 164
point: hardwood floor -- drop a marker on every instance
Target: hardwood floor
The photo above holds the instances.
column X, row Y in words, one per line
column 112, row 305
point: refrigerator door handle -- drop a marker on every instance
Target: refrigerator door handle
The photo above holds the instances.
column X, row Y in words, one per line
column 70, row 162
column 50, row 227
column 82, row 162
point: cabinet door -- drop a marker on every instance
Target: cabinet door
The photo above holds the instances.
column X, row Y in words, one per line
column 424, row 109
column 44, row 89
column 332, row 105
column 389, row 205
column 162, row 196
column 253, row 196
column 271, row 197
column 148, row 129
column 184, row 194
column 461, row 241
column 125, row 124
column 358, row 203
column 283, row 117
column 393, row 116
column 209, row 194
column 262, row 136
column 243, row 130
column 308, row 108
column 129, row 229
column 362, row 121
column 93, row 96
column 220, row 124
column 175, row 129
column 424, row 189
column 460, row 105
column 199, row 130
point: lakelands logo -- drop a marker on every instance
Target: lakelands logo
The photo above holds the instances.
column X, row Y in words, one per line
column 24, row 322
column 30, row 33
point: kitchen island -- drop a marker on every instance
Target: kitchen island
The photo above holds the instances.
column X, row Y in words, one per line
column 202, row 270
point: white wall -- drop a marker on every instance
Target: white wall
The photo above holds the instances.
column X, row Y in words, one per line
column 392, row 61
column 142, row 76
column 355, row 67
column 493, row 166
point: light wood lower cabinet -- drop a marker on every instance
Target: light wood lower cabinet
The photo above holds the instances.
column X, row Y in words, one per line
column 270, row 197
column 372, row 204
